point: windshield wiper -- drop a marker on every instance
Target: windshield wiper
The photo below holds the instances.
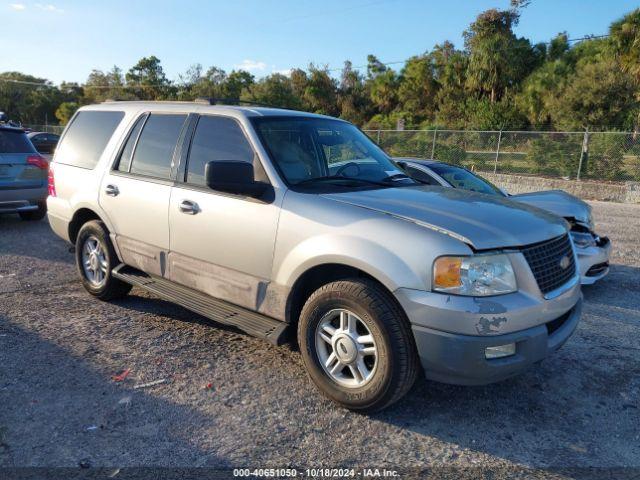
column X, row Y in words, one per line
column 331, row 178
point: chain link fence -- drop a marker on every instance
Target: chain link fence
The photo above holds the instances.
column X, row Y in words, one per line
column 600, row 156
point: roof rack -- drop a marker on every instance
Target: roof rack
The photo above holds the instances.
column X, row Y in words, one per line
column 231, row 101
column 203, row 101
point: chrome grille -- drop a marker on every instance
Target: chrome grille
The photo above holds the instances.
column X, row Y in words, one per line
column 545, row 260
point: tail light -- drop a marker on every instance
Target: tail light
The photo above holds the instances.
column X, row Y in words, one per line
column 51, row 182
column 37, row 161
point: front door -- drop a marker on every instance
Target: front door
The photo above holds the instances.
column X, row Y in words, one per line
column 221, row 244
column 135, row 194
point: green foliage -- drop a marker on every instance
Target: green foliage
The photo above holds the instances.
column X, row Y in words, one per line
column 65, row 111
column 554, row 156
column 498, row 81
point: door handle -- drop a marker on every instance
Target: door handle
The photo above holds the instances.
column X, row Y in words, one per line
column 189, row 207
column 111, row 190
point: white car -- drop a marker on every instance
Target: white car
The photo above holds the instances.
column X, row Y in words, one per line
column 593, row 250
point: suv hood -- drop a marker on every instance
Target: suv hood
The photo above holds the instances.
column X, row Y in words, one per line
column 557, row 202
column 482, row 221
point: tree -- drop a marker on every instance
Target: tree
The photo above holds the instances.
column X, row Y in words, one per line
column 65, row 111
column 275, row 90
column 32, row 102
column 497, row 59
column 320, row 91
column 148, row 80
column 625, row 36
column 598, row 94
column 417, row 88
column 353, row 98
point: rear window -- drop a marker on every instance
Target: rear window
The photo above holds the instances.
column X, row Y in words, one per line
column 86, row 137
column 15, row 142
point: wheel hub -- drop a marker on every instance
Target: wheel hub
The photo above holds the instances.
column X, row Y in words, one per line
column 345, row 348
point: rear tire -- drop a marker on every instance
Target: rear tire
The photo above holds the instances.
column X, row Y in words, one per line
column 34, row 215
column 95, row 260
column 357, row 345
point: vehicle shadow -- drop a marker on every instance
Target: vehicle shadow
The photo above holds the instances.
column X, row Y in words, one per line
column 143, row 302
column 42, row 243
column 578, row 408
column 62, row 410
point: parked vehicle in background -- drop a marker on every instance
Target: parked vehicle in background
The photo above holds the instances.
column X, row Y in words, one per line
column 43, row 141
column 278, row 222
column 592, row 249
column 23, row 175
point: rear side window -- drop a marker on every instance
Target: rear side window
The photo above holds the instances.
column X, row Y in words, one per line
column 86, row 137
column 125, row 157
column 15, row 142
column 216, row 138
column 156, row 144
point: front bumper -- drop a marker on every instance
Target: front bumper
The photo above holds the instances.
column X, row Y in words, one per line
column 460, row 359
column 594, row 261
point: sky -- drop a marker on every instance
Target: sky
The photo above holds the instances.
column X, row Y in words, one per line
column 66, row 39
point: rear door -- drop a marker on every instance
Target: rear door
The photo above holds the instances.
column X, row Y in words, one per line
column 135, row 192
column 15, row 171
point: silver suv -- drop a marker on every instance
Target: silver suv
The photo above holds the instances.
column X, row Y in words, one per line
column 277, row 221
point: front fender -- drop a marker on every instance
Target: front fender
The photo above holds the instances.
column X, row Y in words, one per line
column 383, row 265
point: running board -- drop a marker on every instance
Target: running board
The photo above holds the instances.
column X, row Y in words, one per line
column 220, row 311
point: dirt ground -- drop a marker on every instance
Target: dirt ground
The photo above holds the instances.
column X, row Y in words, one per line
column 231, row 400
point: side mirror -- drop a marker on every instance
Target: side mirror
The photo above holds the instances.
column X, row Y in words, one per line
column 233, row 177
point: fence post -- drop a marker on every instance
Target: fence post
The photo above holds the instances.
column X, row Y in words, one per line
column 584, row 152
column 495, row 165
column 378, row 141
column 433, row 144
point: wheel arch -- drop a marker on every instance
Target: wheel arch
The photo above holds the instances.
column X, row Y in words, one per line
column 318, row 275
column 80, row 217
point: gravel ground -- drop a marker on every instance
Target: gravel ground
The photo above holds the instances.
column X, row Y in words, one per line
column 60, row 348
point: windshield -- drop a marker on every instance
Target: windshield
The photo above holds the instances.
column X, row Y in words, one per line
column 311, row 150
column 462, row 178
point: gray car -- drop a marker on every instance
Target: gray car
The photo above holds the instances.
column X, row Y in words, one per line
column 592, row 249
column 23, row 175
column 297, row 227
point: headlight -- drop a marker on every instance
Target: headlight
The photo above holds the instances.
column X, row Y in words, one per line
column 583, row 240
column 477, row 275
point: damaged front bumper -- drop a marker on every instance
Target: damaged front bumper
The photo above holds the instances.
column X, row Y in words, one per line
column 593, row 261
column 461, row 359
column 453, row 332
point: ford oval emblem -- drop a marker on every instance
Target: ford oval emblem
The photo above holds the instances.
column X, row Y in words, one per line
column 564, row 262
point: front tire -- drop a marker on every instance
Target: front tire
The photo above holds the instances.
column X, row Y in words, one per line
column 357, row 345
column 96, row 259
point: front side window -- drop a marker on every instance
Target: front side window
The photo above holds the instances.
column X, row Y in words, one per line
column 462, row 178
column 310, row 150
column 154, row 150
column 216, row 139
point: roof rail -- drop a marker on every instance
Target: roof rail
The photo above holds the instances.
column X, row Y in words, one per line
column 231, row 101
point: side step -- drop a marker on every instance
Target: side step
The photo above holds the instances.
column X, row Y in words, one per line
column 220, row 311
